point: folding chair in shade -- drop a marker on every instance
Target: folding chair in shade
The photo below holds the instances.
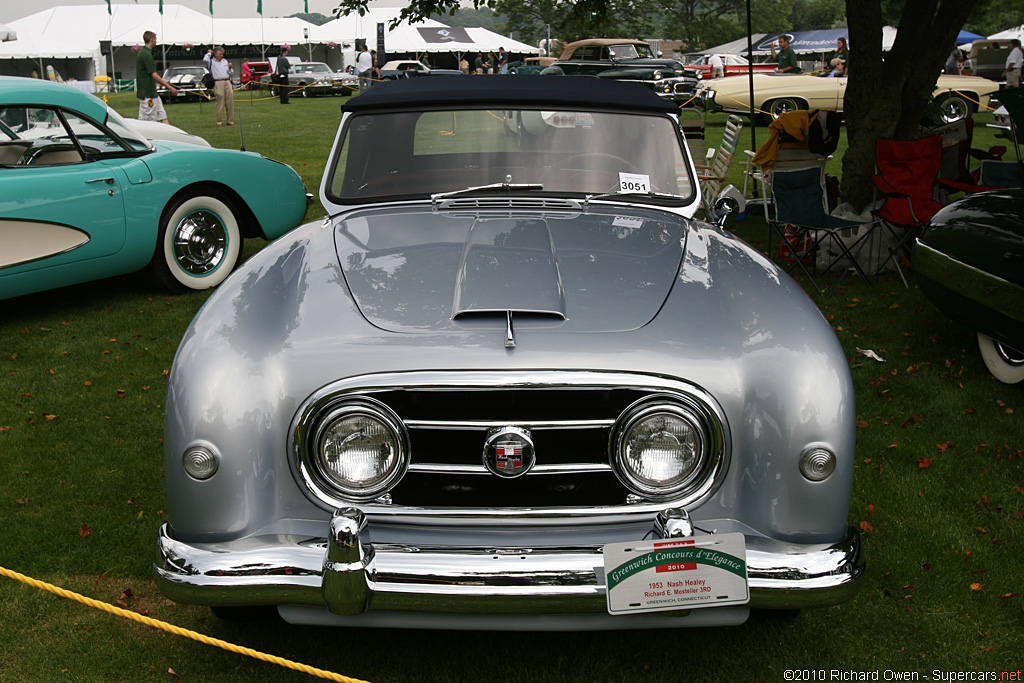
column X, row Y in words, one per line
column 801, row 205
column 955, row 174
column 907, row 174
column 711, row 177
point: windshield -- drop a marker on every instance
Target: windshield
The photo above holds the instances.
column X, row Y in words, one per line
column 564, row 152
column 631, row 51
column 311, row 69
column 185, row 71
column 126, row 132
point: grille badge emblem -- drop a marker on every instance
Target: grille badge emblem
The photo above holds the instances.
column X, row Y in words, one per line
column 508, row 452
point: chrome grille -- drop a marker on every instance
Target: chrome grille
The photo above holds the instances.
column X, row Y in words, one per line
column 571, row 416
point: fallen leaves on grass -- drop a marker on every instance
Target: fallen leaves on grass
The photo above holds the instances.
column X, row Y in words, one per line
column 867, row 527
column 924, row 462
column 943, row 447
column 975, row 586
column 84, row 531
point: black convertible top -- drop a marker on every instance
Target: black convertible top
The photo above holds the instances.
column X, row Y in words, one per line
column 510, row 91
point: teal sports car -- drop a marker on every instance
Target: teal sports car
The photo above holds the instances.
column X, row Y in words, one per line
column 84, row 196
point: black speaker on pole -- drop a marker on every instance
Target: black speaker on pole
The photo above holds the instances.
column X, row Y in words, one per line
column 105, row 47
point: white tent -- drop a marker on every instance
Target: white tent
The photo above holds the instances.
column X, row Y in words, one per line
column 421, row 39
column 346, row 29
column 1015, row 32
column 7, row 33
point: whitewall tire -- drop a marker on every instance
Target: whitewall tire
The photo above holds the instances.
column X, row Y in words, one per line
column 199, row 243
column 1006, row 364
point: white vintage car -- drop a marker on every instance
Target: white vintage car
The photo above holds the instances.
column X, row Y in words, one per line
column 778, row 93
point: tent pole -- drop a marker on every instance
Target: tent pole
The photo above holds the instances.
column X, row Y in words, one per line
column 750, row 81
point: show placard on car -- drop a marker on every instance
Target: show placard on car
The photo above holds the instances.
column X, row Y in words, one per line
column 654, row 576
column 634, row 182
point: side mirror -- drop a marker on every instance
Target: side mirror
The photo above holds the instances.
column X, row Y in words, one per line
column 724, row 208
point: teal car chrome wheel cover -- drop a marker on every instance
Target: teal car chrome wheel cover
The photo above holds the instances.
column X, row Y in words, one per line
column 200, row 241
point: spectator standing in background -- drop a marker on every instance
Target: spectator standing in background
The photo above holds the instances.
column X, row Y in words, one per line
column 502, row 61
column 786, row 56
column 221, row 71
column 364, row 68
column 146, row 78
column 953, row 62
column 1014, row 62
column 717, row 66
column 283, row 66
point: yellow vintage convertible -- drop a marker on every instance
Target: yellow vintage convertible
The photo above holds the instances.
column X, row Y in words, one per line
column 957, row 96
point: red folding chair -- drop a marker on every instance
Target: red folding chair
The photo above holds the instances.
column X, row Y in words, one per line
column 907, row 174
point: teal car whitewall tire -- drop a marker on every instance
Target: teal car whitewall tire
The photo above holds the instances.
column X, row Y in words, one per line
column 199, row 243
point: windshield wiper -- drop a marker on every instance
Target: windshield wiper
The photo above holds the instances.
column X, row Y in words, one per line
column 508, row 186
column 652, row 193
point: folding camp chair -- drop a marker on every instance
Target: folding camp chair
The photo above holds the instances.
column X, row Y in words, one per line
column 908, row 171
column 800, row 205
column 955, row 174
column 799, row 139
column 711, row 177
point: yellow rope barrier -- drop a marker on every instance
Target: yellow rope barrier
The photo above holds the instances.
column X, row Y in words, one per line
column 170, row 628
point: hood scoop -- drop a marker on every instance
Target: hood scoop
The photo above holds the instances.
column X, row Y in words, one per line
column 509, row 267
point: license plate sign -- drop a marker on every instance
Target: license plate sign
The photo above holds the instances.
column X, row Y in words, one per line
column 655, row 576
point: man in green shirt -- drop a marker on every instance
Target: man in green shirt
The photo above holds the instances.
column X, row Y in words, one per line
column 146, row 78
column 786, row 57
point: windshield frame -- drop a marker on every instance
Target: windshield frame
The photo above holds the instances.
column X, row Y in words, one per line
column 334, row 165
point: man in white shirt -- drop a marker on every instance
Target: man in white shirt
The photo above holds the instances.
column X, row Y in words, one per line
column 717, row 66
column 364, row 68
column 1014, row 61
column 221, row 70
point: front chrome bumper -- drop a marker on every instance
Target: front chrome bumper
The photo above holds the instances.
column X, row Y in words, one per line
column 350, row 576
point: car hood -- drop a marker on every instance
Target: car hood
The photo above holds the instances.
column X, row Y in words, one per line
column 413, row 269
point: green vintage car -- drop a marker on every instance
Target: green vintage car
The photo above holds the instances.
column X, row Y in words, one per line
column 629, row 60
column 969, row 262
column 83, row 196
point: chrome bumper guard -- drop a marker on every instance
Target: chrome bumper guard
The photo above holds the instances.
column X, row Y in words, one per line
column 349, row 576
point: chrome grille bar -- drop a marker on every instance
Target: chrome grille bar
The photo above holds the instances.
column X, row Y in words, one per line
column 526, row 424
column 567, row 468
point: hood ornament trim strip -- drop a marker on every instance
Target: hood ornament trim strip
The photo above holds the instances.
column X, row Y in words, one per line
column 510, row 337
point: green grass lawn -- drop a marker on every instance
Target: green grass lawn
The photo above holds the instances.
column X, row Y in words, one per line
column 938, row 493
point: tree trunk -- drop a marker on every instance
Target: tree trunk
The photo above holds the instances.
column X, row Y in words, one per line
column 887, row 95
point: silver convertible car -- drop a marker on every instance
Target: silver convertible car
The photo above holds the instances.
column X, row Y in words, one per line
column 509, row 383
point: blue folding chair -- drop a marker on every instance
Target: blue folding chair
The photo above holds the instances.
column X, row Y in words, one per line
column 800, row 203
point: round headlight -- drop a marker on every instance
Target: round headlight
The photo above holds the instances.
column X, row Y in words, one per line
column 200, row 461
column 359, row 451
column 665, row 448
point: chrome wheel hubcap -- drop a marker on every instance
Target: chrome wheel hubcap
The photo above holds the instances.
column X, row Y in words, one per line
column 200, row 241
column 1009, row 355
column 953, row 110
